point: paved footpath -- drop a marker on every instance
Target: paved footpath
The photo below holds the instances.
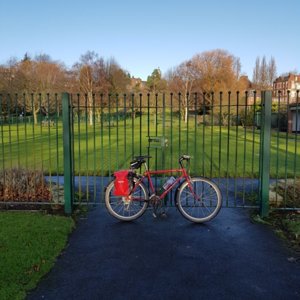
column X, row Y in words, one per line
column 171, row 258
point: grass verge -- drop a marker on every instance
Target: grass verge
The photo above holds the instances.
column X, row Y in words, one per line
column 286, row 225
column 29, row 245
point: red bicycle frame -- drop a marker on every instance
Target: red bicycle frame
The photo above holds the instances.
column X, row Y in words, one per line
column 147, row 174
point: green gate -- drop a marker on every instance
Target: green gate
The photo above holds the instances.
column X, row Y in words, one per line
column 220, row 133
column 99, row 134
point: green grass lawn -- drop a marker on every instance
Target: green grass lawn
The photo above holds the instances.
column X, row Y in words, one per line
column 29, row 245
column 218, row 151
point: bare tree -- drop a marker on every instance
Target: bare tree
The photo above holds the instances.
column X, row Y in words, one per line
column 25, row 77
column 256, row 72
column 217, row 70
column 30, row 76
column 8, row 84
column 206, row 73
column 182, row 80
column 94, row 74
column 264, row 73
column 272, row 71
column 91, row 73
column 117, row 78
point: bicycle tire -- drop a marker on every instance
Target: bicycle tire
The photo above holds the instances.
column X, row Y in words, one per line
column 126, row 208
column 208, row 204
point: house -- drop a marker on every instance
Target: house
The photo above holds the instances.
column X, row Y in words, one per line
column 294, row 117
column 285, row 88
column 136, row 85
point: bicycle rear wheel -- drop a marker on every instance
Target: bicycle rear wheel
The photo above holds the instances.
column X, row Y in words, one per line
column 199, row 200
column 126, row 208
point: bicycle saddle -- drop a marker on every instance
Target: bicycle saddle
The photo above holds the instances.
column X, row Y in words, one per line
column 138, row 161
column 141, row 158
column 184, row 157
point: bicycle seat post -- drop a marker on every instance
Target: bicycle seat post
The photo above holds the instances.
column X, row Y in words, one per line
column 146, row 166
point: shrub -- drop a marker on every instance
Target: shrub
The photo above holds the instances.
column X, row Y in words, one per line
column 290, row 192
column 23, row 185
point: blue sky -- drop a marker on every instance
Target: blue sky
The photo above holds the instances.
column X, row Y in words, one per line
column 144, row 35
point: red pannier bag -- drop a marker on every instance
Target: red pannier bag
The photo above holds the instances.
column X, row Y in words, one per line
column 121, row 183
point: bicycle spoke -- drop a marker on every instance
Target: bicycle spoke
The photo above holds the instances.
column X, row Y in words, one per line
column 126, row 208
column 199, row 200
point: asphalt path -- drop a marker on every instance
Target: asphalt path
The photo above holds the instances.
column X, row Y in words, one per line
column 229, row 257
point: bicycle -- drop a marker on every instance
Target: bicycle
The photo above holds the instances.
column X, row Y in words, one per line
column 129, row 194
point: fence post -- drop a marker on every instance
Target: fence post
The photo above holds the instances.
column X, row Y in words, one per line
column 68, row 180
column 265, row 143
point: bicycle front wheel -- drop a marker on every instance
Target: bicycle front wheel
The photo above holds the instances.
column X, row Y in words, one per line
column 199, row 200
column 126, row 208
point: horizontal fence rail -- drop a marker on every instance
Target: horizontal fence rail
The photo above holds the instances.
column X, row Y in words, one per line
column 221, row 131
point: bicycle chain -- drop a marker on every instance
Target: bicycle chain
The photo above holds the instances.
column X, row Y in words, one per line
column 157, row 204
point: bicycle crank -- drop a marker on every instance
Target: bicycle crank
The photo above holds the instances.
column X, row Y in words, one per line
column 157, row 203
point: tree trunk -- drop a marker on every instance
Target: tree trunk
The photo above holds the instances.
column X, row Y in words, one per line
column 186, row 112
column 35, row 118
column 90, row 108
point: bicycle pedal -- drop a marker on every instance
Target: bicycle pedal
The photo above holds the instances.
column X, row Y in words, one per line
column 163, row 215
column 154, row 215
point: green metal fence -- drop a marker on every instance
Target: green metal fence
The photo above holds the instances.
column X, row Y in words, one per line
column 99, row 133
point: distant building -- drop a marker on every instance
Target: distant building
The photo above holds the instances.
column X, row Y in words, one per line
column 285, row 88
column 294, row 117
column 244, row 83
column 136, row 85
